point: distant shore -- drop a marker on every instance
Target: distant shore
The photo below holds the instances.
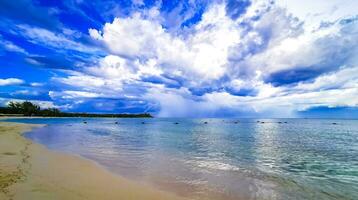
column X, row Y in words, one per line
column 30, row 171
column 88, row 115
column 30, row 109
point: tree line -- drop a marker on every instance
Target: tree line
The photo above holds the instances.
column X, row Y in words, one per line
column 27, row 108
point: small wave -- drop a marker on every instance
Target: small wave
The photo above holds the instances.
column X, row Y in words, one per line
column 214, row 165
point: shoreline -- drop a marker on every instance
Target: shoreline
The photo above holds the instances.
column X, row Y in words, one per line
column 31, row 171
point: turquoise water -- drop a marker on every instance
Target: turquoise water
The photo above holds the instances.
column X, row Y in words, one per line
column 223, row 159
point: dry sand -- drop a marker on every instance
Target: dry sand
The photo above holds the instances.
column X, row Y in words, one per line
column 30, row 171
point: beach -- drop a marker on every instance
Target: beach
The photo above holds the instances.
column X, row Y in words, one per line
column 31, row 171
column 217, row 159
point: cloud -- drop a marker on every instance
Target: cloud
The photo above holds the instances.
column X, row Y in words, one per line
column 131, row 37
column 73, row 94
column 343, row 78
column 175, row 16
column 309, row 54
column 53, row 39
column 202, row 53
column 280, row 105
column 25, row 93
column 235, row 8
column 37, row 84
column 9, row 46
column 11, row 81
column 236, row 58
column 313, row 13
column 201, row 58
column 138, row 2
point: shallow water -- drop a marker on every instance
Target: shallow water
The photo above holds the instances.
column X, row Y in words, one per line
column 300, row 159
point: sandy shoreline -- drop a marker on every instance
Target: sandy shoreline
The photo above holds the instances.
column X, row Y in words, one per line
column 30, row 171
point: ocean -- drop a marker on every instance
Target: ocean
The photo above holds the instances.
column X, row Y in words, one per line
column 217, row 158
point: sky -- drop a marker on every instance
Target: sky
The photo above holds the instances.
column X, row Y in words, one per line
column 192, row 58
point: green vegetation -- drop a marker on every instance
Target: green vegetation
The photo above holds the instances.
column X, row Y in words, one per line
column 29, row 109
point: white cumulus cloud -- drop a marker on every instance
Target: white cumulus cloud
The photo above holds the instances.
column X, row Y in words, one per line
column 11, row 81
column 277, row 58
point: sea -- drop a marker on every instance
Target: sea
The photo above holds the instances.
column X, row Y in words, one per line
column 217, row 158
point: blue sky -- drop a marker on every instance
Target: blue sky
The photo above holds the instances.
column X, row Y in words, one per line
column 195, row 58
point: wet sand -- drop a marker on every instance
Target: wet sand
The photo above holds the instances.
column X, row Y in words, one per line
column 30, row 171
